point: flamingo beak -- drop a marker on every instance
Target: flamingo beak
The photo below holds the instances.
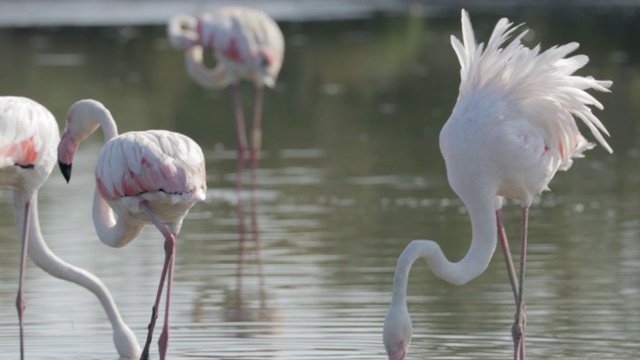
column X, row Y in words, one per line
column 66, row 170
column 66, row 150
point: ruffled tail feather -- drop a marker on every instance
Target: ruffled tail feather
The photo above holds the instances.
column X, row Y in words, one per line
column 540, row 84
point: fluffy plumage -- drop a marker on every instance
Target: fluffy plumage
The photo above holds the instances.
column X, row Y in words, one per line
column 247, row 43
column 511, row 130
column 540, row 84
column 27, row 131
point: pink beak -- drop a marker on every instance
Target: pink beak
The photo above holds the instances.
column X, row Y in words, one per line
column 66, row 149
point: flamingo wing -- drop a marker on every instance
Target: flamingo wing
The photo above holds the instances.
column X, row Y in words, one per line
column 153, row 161
column 28, row 134
column 537, row 85
column 244, row 36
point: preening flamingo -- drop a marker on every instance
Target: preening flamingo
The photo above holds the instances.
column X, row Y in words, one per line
column 248, row 45
column 142, row 177
column 511, row 129
column 28, row 138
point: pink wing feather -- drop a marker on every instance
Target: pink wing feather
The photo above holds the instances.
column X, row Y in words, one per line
column 26, row 130
column 141, row 162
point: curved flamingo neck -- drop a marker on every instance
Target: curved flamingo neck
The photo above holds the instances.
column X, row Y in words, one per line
column 107, row 123
column 112, row 230
column 43, row 257
column 216, row 78
column 474, row 263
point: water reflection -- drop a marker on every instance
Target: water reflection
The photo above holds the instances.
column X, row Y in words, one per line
column 350, row 172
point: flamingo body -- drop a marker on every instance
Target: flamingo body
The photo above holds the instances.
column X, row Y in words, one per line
column 28, row 133
column 512, row 128
column 247, row 43
column 142, row 177
column 28, row 138
column 162, row 167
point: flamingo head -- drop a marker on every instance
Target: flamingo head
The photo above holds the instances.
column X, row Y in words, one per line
column 268, row 64
column 126, row 343
column 397, row 332
column 82, row 120
column 183, row 31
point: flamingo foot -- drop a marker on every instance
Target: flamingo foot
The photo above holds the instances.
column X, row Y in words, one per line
column 152, row 324
column 20, row 306
column 163, row 342
column 518, row 334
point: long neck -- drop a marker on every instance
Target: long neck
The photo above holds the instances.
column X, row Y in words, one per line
column 112, row 230
column 107, row 123
column 474, row 263
column 42, row 256
column 215, row 78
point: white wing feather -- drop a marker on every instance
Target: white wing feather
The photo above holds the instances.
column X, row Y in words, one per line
column 538, row 83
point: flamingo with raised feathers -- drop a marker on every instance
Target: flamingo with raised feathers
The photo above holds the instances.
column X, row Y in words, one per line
column 28, row 138
column 142, row 177
column 248, row 45
column 511, row 130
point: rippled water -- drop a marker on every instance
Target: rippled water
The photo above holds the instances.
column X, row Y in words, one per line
column 351, row 172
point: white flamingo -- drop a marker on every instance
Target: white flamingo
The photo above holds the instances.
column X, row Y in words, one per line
column 248, row 45
column 511, row 129
column 142, row 177
column 28, row 138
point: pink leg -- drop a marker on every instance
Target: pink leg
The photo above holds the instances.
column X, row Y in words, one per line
column 520, row 309
column 255, row 157
column 169, row 248
column 504, row 244
column 256, row 137
column 517, row 333
column 163, row 341
column 242, row 137
column 20, row 304
column 242, row 146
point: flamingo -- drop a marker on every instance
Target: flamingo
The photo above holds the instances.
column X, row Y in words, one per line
column 511, row 130
column 249, row 45
column 28, row 137
column 142, row 177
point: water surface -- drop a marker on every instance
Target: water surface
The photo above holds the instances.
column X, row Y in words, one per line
column 350, row 173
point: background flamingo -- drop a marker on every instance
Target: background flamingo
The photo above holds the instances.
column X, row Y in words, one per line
column 142, row 177
column 248, row 45
column 28, row 138
column 511, row 129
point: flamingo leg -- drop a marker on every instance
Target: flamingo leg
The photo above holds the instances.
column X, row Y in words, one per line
column 520, row 310
column 169, row 248
column 163, row 341
column 242, row 147
column 20, row 304
column 518, row 341
column 242, row 136
column 256, row 136
column 504, row 244
column 255, row 157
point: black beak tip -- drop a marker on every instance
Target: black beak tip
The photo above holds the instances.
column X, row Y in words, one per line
column 66, row 170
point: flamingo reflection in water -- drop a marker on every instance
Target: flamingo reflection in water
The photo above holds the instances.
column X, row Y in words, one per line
column 28, row 138
column 510, row 131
